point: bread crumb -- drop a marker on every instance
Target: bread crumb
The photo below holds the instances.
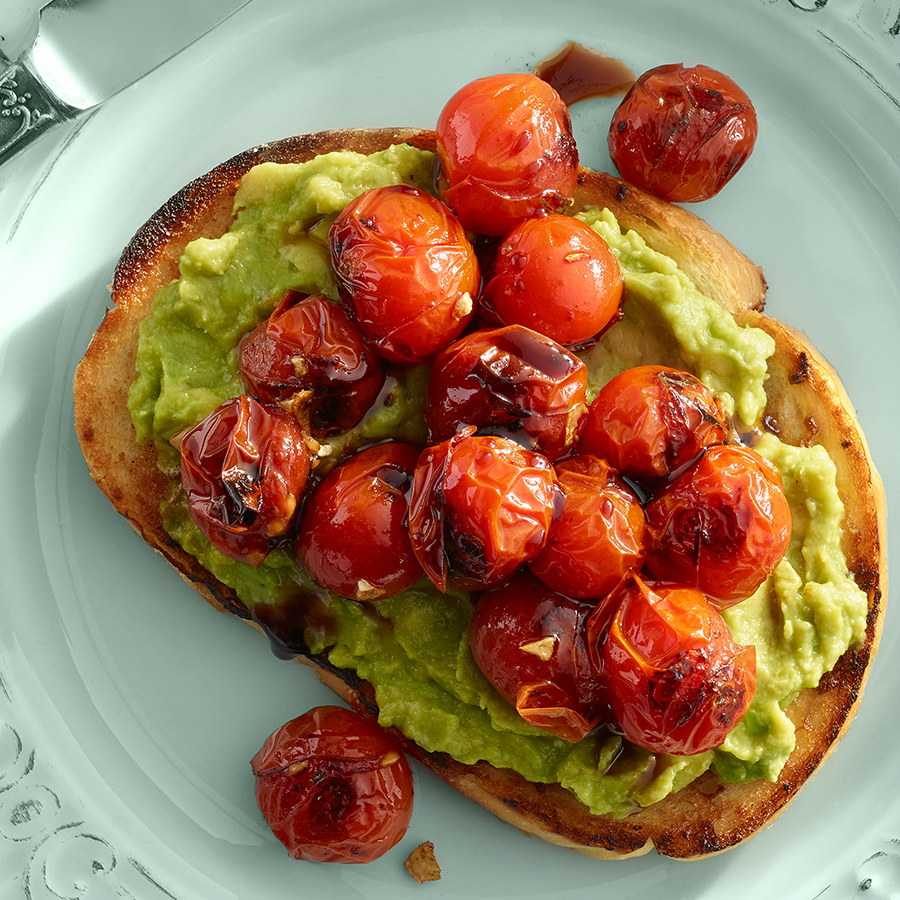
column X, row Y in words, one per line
column 422, row 865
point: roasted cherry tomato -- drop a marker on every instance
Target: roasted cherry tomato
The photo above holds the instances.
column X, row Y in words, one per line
column 243, row 469
column 334, row 787
column 682, row 133
column 510, row 381
column 529, row 641
column 676, row 681
column 601, row 534
column 651, row 421
column 353, row 538
column 309, row 346
column 482, row 504
column 722, row 526
column 507, row 152
column 557, row 276
column 407, row 270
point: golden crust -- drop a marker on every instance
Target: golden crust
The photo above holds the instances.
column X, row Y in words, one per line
column 806, row 404
column 715, row 265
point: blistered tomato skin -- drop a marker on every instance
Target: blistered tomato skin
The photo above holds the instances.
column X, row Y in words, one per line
column 334, row 787
column 651, row 421
column 529, row 641
column 407, row 270
column 676, row 681
column 601, row 535
column 353, row 538
column 722, row 526
column 682, row 133
column 507, row 152
column 243, row 469
column 482, row 505
column 510, row 381
column 557, row 276
column 310, row 345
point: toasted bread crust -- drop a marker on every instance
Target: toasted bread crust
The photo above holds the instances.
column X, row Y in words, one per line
column 806, row 404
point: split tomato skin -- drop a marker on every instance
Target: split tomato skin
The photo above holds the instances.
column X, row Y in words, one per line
column 557, row 276
column 676, row 681
column 352, row 537
column 406, row 269
column 483, row 505
column 309, row 346
column 529, row 641
column 651, row 421
column 682, row 133
column 244, row 469
column 334, row 787
column 722, row 526
column 511, row 381
column 601, row 534
column 507, row 152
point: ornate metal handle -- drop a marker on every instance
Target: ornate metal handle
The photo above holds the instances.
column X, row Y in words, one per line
column 27, row 110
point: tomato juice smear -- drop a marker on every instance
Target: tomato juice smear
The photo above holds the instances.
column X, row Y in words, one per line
column 431, row 689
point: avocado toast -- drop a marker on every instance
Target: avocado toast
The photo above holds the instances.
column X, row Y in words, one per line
column 804, row 405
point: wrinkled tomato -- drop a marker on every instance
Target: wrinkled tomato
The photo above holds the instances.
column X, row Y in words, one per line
column 481, row 505
column 529, row 641
column 557, row 276
column 676, row 681
column 309, row 346
column 651, row 421
column 600, row 536
column 682, row 132
column 243, row 469
column 509, row 381
column 722, row 526
column 507, row 152
column 407, row 270
column 352, row 537
column 334, row 787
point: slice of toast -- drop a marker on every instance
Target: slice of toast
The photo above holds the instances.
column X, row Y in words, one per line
column 806, row 404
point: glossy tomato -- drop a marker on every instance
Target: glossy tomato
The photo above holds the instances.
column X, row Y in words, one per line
column 353, row 538
column 682, row 133
column 557, row 276
column 510, row 381
column 676, row 681
column 507, row 152
column 407, row 270
column 243, row 469
column 529, row 641
column 600, row 536
column 309, row 346
column 334, row 787
column 482, row 505
column 722, row 526
column 651, row 421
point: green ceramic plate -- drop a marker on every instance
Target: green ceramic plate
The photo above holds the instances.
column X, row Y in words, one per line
column 128, row 708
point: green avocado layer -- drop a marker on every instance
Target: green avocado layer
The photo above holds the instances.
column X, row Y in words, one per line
column 413, row 648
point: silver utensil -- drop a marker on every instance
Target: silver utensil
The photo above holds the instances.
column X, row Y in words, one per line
column 88, row 50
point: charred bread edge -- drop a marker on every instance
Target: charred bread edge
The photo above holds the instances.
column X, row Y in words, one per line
column 706, row 817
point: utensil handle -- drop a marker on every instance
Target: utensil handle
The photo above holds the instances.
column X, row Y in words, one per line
column 27, row 110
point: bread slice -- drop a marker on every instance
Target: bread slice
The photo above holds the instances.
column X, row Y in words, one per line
column 806, row 404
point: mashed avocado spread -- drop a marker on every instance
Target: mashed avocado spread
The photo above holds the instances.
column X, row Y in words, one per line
column 414, row 649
